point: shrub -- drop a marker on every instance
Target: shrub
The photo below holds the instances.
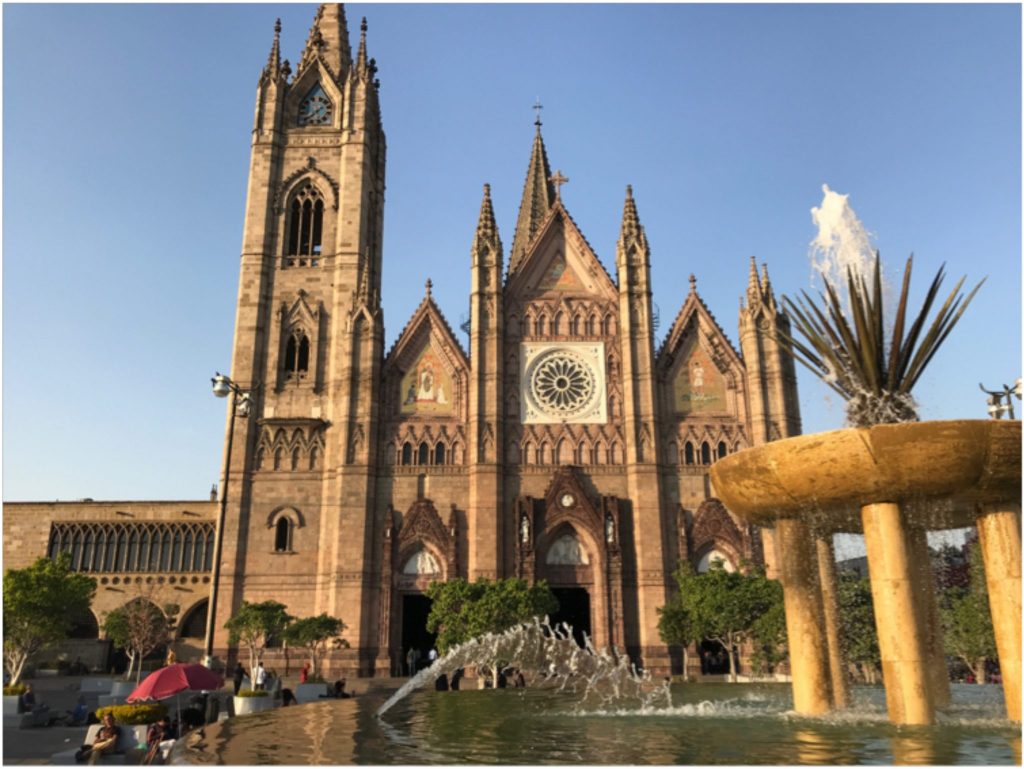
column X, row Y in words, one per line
column 14, row 691
column 252, row 693
column 132, row 715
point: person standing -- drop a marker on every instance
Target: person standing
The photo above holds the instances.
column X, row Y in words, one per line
column 410, row 662
column 237, row 677
column 304, row 674
column 260, row 680
column 432, row 656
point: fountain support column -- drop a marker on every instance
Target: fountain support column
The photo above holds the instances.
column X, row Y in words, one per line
column 935, row 650
column 999, row 535
column 895, row 592
column 830, row 605
column 805, row 620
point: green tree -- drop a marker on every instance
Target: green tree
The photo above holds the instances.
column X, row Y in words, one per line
column 40, row 602
column 139, row 627
column 675, row 626
column 462, row 610
column 725, row 606
column 254, row 624
column 313, row 634
column 769, row 637
column 966, row 621
column 858, row 636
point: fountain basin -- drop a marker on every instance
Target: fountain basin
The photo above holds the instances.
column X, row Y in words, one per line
column 938, row 472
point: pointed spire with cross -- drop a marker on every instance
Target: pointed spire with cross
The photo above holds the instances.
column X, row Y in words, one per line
column 537, row 107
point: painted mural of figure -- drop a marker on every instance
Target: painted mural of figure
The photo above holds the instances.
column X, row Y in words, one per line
column 697, row 378
column 426, row 392
column 440, row 394
column 410, row 397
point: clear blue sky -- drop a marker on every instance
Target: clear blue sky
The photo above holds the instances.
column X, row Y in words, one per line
column 126, row 134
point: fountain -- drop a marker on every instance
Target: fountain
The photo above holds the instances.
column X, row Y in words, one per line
column 889, row 477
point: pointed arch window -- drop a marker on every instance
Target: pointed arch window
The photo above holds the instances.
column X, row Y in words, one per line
column 424, row 454
column 296, row 355
column 705, row 453
column 722, row 450
column 439, row 453
column 688, row 454
column 407, row 453
column 305, row 227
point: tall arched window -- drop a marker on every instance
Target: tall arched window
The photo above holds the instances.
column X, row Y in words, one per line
column 705, row 453
column 424, row 454
column 305, row 227
column 688, row 454
column 722, row 450
column 296, row 355
column 439, row 453
column 407, row 453
column 283, row 535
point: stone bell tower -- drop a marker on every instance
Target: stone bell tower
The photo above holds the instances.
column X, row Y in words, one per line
column 309, row 341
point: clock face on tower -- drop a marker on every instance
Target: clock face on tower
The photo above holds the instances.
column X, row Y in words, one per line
column 315, row 109
column 563, row 383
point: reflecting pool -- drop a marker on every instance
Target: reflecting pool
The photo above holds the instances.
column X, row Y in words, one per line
column 707, row 724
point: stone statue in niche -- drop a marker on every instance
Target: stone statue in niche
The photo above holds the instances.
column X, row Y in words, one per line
column 524, row 530
column 609, row 530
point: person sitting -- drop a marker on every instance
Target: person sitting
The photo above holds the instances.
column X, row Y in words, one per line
column 105, row 742
column 339, row 690
column 80, row 713
column 27, row 700
column 288, row 698
column 156, row 734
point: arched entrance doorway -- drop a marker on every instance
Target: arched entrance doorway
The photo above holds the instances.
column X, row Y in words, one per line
column 415, row 609
column 573, row 610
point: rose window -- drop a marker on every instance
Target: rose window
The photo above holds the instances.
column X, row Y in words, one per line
column 562, row 384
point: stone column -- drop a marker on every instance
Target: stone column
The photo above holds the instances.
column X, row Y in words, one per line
column 938, row 672
column 830, row 604
column 805, row 622
column 900, row 631
column 999, row 535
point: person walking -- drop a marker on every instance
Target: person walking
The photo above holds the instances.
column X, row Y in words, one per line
column 237, row 677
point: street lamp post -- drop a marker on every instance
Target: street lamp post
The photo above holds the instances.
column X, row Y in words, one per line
column 238, row 406
column 996, row 408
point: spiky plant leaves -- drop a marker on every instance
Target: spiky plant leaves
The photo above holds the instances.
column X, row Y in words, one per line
column 851, row 354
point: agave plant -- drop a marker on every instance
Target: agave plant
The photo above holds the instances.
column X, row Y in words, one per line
column 852, row 356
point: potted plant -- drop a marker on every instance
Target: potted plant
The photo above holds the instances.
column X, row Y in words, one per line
column 250, row 627
column 12, row 696
column 313, row 634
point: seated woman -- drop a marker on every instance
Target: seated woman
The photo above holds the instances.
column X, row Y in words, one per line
column 105, row 742
column 155, row 735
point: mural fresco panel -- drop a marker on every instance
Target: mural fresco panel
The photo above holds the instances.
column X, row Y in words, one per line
column 426, row 387
column 699, row 385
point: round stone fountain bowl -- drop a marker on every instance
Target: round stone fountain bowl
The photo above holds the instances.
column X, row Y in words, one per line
column 938, row 472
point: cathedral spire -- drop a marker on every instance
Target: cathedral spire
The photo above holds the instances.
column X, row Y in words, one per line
column 538, row 197
column 632, row 248
column 273, row 68
column 328, row 40
column 487, row 238
column 753, row 285
column 361, row 64
column 768, row 296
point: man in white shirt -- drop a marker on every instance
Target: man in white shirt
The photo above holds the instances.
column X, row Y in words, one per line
column 261, row 676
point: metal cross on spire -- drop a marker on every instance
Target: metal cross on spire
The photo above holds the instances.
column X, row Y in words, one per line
column 537, row 108
column 558, row 180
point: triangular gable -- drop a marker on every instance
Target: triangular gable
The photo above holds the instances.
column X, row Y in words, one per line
column 426, row 372
column 697, row 361
column 561, row 261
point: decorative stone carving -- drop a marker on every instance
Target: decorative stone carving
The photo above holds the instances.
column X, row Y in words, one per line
column 563, row 383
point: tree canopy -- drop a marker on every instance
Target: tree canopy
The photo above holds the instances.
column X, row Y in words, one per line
column 139, row 627
column 462, row 610
column 312, row 634
column 40, row 604
column 966, row 620
column 728, row 607
column 254, row 624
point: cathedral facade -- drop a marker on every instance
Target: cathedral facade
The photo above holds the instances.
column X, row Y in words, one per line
column 562, row 445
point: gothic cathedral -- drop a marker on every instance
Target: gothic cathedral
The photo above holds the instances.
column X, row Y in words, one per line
column 562, row 445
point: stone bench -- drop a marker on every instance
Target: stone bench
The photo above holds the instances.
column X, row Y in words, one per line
column 126, row 751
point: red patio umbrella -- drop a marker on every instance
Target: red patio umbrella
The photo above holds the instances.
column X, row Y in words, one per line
column 168, row 681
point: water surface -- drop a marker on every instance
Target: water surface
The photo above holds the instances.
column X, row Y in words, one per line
column 707, row 724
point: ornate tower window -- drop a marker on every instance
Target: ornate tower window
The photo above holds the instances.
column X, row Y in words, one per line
column 305, row 228
column 282, row 535
column 296, row 356
column 316, row 108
